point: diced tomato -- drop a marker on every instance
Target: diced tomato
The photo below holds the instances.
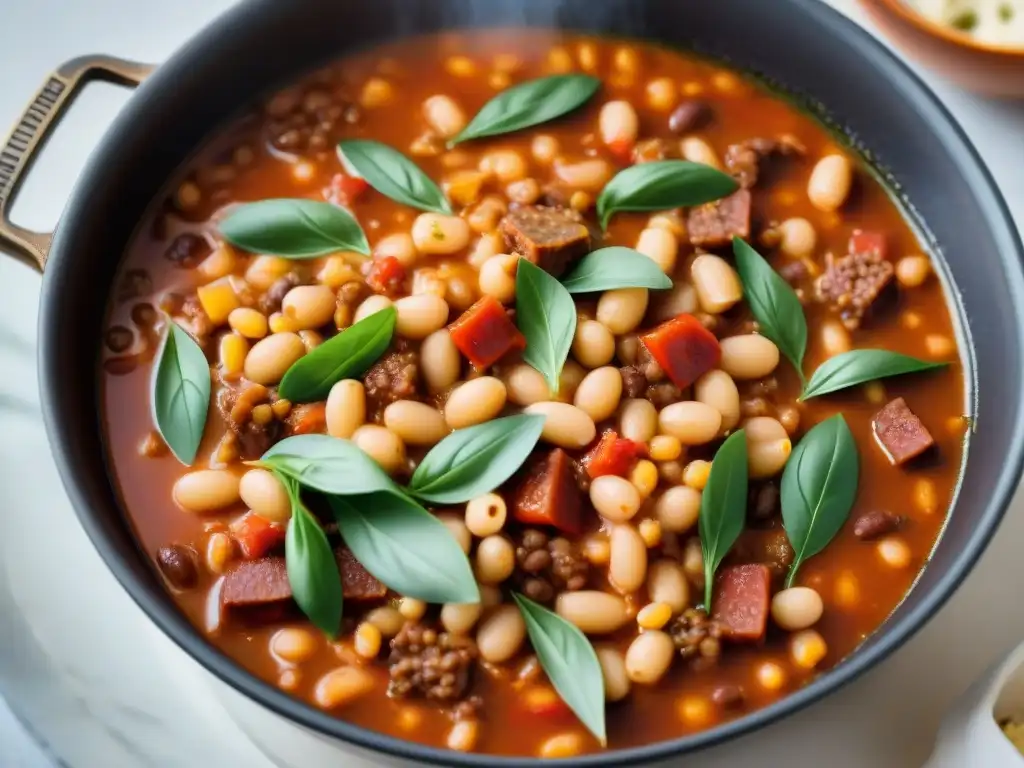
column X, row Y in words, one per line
column 484, row 333
column 308, row 419
column 386, row 276
column 256, row 535
column 613, row 455
column 549, row 495
column 741, row 600
column 622, row 150
column 684, row 349
column 543, row 701
column 345, row 190
column 864, row 241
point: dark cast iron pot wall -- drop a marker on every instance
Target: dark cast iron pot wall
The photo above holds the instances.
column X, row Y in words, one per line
column 806, row 47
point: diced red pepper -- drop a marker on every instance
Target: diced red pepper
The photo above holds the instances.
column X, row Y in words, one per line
column 308, row 419
column 684, row 349
column 256, row 535
column 613, row 455
column 865, row 241
column 741, row 601
column 543, row 701
column 484, row 333
column 549, row 495
column 622, row 150
column 345, row 190
column 386, row 276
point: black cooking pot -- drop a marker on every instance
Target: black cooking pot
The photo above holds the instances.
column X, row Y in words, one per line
column 807, row 49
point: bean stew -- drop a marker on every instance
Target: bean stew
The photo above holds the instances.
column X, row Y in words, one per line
column 532, row 394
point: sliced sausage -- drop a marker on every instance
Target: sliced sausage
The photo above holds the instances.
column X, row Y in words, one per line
column 549, row 495
column 714, row 225
column 741, row 602
column 743, row 160
column 875, row 524
column 854, row 283
column 551, row 238
column 357, row 582
column 900, row 433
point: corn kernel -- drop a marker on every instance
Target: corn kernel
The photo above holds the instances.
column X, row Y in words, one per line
column 376, row 93
column 262, row 414
column 499, row 81
column 726, row 82
column 597, row 550
column 367, row 640
column 644, row 477
column 874, row 392
column 218, row 300
column 580, row 201
column 281, row 324
column 695, row 711
column 650, row 532
column 507, row 62
column 561, row 746
column 910, row 320
column 559, row 60
column 463, row 187
column 188, row 196
column 665, row 448
column 460, row 66
column 771, row 676
column 925, row 496
column 807, row 648
column 696, row 473
column 412, row 608
column 957, row 425
column 233, row 349
column 661, row 93
column 264, row 271
column 220, row 548
column 588, row 57
column 227, row 449
column 281, row 408
column 289, row 679
column 692, row 88
column 303, row 172
column 409, row 718
column 846, row 590
column 221, row 262
column 343, row 316
column 248, row 322
column 894, row 552
column 939, row 345
column 336, row 272
column 627, row 61
column 654, row 615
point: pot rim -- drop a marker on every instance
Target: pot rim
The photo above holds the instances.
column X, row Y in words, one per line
column 152, row 598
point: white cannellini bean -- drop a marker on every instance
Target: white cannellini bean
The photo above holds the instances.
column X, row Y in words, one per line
column 649, row 656
column 797, row 608
column 613, row 670
column 419, row 316
column 830, row 182
column 476, row 401
column 444, row 115
column 501, row 634
column 206, row 490
column 565, row 425
column 371, row 305
column 437, row 233
column 691, row 422
column 717, row 284
column 660, row 246
column 618, row 123
column 264, row 494
column 586, row 175
column 599, row 393
column 615, row 498
column 621, row 310
column 638, row 420
column 798, row 238
column 271, row 357
column 749, row 356
column 681, row 299
column 627, row 568
column 717, row 389
column 345, row 410
column 440, row 361
column 678, row 508
column 666, row 583
column 415, row 423
column 309, row 306
column 382, row 445
column 593, row 345
column 593, row 611
column 696, row 150
column 526, row 385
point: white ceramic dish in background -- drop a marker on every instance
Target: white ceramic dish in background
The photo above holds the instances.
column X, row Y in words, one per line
column 969, row 736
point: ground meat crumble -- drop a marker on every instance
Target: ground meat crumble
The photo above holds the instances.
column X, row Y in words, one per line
column 430, row 664
column 546, row 566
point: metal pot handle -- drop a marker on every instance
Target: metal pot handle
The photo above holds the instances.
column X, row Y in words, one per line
column 33, row 130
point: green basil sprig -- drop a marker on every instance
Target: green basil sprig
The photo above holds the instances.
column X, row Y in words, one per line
column 723, row 507
column 569, row 661
column 405, row 547
column 348, row 354
column 661, row 185
column 392, row 174
column 818, row 489
column 530, row 103
column 860, row 366
column 546, row 314
column 476, row 460
column 294, row 229
column 774, row 304
column 328, row 465
column 312, row 568
column 180, row 393
column 615, row 267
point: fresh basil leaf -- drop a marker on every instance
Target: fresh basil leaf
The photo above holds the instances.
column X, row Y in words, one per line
column 615, row 267
column 311, row 565
column 405, row 547
column 723, row 507
column 774, row 303
column 569, row 661
column 327, row 464
column 530, row 103
column 860, row 366
column 476, row 460
column 392, row 174
column 348, row 354
column 180, row 393
column 546, row 314
column 294, row 229
column 818, row 489
column 661, row 185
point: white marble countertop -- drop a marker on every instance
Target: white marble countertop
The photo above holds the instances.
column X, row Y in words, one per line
column 98, row 687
